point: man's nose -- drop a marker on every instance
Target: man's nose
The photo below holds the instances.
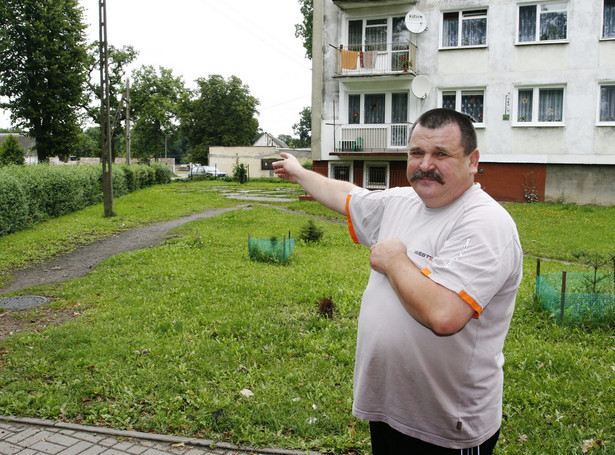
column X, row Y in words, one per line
column 426, row 163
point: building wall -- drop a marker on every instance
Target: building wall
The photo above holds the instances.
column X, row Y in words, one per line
column 225, row 158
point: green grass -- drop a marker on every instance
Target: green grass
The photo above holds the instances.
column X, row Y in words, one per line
column 170, row 336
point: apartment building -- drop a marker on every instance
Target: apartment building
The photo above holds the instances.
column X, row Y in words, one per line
column 537, row 79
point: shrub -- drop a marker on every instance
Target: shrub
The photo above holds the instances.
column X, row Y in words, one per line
column 13, row 204
column 162, row 173
column 11, row 152
column 310, row 232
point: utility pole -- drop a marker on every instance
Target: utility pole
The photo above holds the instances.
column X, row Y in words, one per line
column 127, row 121
column 105, row 113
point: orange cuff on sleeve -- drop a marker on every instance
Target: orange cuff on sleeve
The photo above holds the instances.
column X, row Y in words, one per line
column 470, row 301
column 350, row 227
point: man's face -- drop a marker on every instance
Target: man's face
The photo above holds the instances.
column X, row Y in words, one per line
column 438, row 169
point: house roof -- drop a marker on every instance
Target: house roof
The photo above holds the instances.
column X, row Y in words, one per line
column 25, row 142
column 268, row 140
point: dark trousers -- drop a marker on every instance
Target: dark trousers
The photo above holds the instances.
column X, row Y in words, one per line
column 388, row 441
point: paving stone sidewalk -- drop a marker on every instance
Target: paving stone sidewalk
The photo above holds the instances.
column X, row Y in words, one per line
column 24, row 436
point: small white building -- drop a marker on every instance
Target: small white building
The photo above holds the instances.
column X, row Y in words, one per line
column 258, row 157
column 536, row 77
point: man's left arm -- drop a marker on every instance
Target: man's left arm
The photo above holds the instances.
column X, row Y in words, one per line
column 430, row 303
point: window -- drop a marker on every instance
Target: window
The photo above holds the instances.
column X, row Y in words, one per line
column 341, row 171
column 540, row 105
column 468, row 102
column 267, row 163
column 354, row 109
column 374, row 108
column 464, row 28
column 399, row 118
column 373, row 34
column 376, row 176
column 543, row 22
column 607, row 103
column 608, row 21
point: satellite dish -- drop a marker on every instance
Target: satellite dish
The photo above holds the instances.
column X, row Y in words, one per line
column 415, row 21
column 421, row 86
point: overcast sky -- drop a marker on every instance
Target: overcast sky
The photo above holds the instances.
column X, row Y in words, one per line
column 251, row 39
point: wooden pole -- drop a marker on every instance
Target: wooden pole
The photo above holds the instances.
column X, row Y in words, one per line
column 563, row 298
column 105, row 117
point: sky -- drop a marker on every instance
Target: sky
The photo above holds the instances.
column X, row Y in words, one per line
column 251, row 39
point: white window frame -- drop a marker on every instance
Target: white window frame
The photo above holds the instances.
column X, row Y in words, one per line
column 612, row 37
column 537, row 39
column 459, row 92
column 366, row 167
column 332, row 164
column 388, row 105
column 460, row 20
column 536, row 106
column 598, row 121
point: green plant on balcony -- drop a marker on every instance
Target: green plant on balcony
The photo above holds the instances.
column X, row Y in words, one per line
column 405, row 63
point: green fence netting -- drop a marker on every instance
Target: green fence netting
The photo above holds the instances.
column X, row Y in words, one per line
column 271, row 250
column 584, row 297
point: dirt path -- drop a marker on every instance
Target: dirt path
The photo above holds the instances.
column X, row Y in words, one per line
column 79, row 263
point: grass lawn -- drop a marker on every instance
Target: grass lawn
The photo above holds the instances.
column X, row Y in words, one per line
column 171, row 338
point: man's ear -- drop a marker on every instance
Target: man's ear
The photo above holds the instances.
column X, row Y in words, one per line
column 474, row 157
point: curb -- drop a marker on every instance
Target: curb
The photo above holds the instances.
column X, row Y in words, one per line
column 170, row 439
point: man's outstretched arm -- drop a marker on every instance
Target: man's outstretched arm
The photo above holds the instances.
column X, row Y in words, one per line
column 329, row 192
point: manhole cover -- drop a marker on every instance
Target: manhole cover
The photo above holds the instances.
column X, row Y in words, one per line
column 23, row 302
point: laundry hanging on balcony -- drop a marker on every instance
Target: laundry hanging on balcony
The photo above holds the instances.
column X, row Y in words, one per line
column 368, row 59
column 349, row 59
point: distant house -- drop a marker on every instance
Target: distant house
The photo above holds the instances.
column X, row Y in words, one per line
column 258, row 157
column 27, row 143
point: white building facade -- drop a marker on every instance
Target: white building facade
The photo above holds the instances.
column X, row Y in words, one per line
column 537, row 79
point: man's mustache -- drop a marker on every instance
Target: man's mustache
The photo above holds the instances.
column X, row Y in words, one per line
column 429, row 175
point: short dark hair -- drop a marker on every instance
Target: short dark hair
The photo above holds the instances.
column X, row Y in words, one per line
column 437, row 118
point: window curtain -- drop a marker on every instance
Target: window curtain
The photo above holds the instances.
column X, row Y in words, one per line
column 551, row 105
column 399, row 115
column 474, row 32
column 449, row 100
column 354, row 109
column 355, row 35
column 553, row 25
column 376, row 35
column 472, row 106
column 525, row 104
column 527, row 23
column 607, row 103
column 374, row 108
column 608, row 28
column 450, row 30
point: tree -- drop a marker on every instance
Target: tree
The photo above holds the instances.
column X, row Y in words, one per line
column 219, row 113
column 11, row 152
column 43, row 70
column 303, row 129
column 304, row 29
column 155, row 106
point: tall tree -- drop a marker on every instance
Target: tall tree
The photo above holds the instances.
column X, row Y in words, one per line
column 304, row 29
column 220, row 112
column 303, row 129
column 155, row 103
column 43, row 70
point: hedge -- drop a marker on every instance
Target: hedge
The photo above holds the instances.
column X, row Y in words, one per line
column 31, row 194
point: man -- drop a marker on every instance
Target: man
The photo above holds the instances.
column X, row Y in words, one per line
column 446, row 265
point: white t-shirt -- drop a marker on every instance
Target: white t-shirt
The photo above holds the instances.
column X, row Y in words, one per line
column 445, row 390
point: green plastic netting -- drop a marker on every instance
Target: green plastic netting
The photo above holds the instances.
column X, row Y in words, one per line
column 271, row 250
column 587, row 297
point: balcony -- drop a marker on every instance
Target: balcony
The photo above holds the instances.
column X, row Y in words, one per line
column 382, row 138
column 376, row 59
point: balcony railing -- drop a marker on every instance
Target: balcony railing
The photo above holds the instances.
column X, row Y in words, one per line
column 376, row 138
column 385, row 58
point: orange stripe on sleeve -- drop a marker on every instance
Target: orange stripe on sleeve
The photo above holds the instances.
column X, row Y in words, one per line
column 350, row 227
column 426, row 271
column 470, row 301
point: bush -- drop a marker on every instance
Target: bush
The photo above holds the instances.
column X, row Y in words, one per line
column 162, row 173
column 13, row 204
column 11, row 152
column 310, row 232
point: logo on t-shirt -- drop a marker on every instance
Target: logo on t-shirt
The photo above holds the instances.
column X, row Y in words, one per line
column 423, row 255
